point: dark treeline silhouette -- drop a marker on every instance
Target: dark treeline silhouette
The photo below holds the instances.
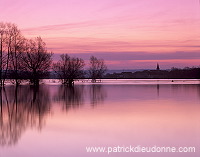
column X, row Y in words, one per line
column 22, row 58
column 28, row 59
column 174, row 73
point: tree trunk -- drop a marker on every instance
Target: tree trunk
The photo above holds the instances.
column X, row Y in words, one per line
column 1, row 61
column 71, row 82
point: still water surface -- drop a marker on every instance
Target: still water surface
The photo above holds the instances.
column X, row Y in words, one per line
column 58, row 121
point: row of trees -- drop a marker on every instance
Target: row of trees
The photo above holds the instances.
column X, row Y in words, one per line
column 29, row 59
column 70, row 68
column 21, row 58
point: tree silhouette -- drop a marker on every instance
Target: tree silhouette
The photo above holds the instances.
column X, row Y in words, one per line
column 36, row 60
column 2, row 41
column 97, row 68
column 68, row 69
column 17, row 44
column 5, row 48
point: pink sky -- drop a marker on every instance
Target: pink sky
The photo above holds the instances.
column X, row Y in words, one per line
column 113, row 27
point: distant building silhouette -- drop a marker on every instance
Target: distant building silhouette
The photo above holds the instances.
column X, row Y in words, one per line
column 158, row 67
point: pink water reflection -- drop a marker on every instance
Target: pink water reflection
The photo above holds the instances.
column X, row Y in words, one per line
column 145, row 115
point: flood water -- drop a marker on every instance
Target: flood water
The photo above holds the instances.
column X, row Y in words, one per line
column 57, row 121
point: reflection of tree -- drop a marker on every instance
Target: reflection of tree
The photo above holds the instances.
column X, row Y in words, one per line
column 158, row 89
column 21, row 107
column 198, row 89
column 97, row 94
column 70, row 97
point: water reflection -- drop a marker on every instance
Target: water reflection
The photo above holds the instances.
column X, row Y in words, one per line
column 97, row 94
column 25, row 107
column 70, row 97
column 158, row 90
column 162, row 115
column 21, row 107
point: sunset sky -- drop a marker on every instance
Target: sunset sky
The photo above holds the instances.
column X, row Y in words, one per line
column 128, row 34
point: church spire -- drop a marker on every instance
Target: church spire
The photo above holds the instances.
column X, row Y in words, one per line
column 158, row 67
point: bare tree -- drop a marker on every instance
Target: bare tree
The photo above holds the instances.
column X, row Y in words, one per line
column 61, row 68
column 69, row 68
column 97, row 68
column 17, row 45
column 8, row 48
column 2, row 33
column 3, row 49
column 36, row 60
column 10, row 38
column 19, row 55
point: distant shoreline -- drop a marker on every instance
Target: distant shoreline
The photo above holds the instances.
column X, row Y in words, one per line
column 118, row 82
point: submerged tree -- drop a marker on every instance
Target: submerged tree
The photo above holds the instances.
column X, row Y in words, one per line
column 16, row 46
column 69, row 68
column 12, row 44
column 36, row 60
column 21, row 58
column 97, row 68
column 2, row 41
column 61, row 68
column 5, row 49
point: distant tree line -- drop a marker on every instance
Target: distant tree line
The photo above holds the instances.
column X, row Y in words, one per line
column 173, row 73
column 29, row 59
